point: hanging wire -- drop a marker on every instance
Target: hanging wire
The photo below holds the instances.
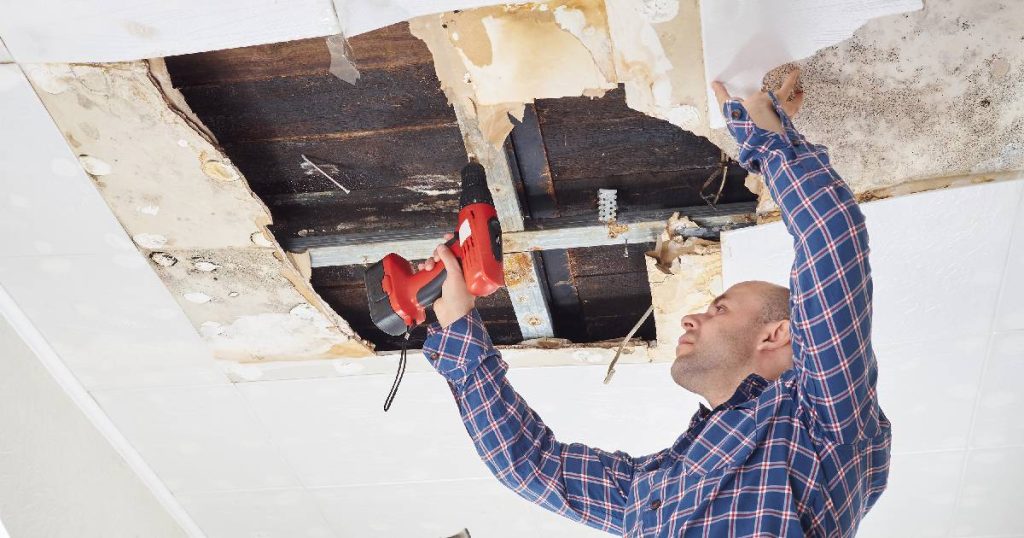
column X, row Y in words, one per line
column 400, row 373
column 611, row 366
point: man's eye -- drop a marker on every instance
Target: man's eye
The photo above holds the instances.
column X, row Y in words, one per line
column 719, row 308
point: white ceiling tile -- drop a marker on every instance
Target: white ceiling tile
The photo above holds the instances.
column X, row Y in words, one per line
column 990, row 496
column 273, row 513
column 954, row 241
column 111, row 320
column 436, row 509
column 919, row 499
column 48, row 205
column 641, row 411
column 1010, row 314
column 928, row 390
column 198, row 438
column 335, row 431
column 997, row 420
column 59, row 31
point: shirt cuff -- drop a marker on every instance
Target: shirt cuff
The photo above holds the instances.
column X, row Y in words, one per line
column 757, row 145
column 455, row 351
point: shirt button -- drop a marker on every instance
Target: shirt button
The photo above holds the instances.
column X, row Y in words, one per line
column 434, row 356
column 736, row 114
column 655, row 504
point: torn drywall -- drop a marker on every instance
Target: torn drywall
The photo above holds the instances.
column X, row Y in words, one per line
column 508, row 55
column 187, row 207
column 695, row 282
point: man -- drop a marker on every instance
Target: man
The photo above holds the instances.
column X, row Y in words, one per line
column 794, row 442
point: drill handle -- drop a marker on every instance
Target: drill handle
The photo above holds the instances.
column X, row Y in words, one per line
column 430, row 291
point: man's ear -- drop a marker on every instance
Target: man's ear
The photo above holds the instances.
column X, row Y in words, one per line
column 774, row 336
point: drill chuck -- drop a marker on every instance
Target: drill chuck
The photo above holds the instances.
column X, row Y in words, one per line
column 474, row 185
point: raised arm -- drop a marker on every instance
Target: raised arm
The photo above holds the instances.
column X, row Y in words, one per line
column 584, row 484
column 830, row 283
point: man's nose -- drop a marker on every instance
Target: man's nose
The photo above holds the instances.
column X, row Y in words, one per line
column 690, row 322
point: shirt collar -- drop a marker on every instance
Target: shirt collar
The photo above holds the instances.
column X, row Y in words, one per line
column 747, row 392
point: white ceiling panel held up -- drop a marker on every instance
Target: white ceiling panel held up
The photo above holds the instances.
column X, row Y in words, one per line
column 744, row 39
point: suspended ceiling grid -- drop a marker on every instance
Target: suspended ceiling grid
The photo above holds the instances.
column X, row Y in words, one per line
column 393, row 140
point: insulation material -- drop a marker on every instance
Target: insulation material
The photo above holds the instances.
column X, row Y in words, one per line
column 783, row 31
column 191, row 212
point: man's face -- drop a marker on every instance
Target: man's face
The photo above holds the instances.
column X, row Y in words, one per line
column 717, row 346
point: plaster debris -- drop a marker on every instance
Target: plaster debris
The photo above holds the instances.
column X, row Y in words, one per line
column 260, row 239
column 163, row 259
column 198, row 297
column 205, row 266
column 149, row 210
column 219, row 170
column 94, row 166
column 150, row 241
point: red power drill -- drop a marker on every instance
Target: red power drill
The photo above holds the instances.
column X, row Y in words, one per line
column 399, row 299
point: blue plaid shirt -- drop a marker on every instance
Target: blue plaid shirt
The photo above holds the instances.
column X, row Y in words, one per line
column 806, row 454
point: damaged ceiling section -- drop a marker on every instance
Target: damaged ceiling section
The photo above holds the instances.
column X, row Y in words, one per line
column 351, row 172
column 261, row 184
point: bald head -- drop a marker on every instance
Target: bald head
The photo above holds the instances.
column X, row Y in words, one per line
column 745, row 330
column 776, row 301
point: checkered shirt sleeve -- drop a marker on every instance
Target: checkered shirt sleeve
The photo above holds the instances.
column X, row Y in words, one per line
column 830, row 282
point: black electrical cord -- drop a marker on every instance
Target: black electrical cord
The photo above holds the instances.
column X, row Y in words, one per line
column 401, row 370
